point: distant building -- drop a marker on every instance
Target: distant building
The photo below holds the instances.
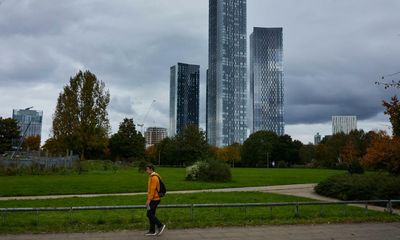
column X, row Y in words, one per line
column 266, row 80
column 344, row 124
column 155, row 135
column 29, row 122
column 184, row 97
column 317, row 139
column 227, row 72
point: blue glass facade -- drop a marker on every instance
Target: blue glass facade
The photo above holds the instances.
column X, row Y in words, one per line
column 266, row 80
column 227, row 73
column 29, row 122
column 184, row 97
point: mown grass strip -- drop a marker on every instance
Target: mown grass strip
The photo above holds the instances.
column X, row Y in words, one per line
column 130, row 180
column 103, row 220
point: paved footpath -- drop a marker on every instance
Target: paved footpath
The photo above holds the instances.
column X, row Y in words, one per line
column 363, row 231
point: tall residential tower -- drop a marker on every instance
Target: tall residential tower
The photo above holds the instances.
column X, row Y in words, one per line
column 227, row 66
column 184, row 97
column 266, row 80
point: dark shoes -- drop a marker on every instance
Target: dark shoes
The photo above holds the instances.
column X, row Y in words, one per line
column 150, row 234
column 161, row 230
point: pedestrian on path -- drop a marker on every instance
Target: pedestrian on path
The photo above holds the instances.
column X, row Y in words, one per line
column 153, row 199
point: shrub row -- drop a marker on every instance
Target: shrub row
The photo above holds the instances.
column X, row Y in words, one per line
column 360, row 187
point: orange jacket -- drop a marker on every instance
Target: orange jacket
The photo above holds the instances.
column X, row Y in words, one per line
column 152, row 185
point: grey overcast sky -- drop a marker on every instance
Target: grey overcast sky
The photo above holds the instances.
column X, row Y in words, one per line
column 334, row 51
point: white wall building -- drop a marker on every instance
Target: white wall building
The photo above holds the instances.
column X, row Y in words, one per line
column 344, row 124
column 155, row 135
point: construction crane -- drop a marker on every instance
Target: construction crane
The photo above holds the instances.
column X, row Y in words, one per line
column 145, row 116
column 22, row 137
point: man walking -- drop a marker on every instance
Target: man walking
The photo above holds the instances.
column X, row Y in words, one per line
column 153, row 199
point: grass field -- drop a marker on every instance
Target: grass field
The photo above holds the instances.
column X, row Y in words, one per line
column 176, row 218
column 130, row 180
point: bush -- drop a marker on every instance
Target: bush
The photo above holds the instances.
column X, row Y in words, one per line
column 209, row 171
column 360, row 187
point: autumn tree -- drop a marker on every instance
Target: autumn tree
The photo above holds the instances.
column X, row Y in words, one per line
column 383, row 153
column 229, row 154
column 80, row 121
column 9, row 130
column 350, row 156
column 31, row 143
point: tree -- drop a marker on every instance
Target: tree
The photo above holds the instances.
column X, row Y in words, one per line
column 53, row 147
column 31, row 143
column 9, row 130
column 191, row 145
column 328, row 151
column 80, row 122
column 383, row 153
column 229, row 154
column 392, row 107
column 287, row 151
column 350, row 156
column 258, row 148
column 127, row 143
column 167, row 149
column 307, row 154
column 393, row 110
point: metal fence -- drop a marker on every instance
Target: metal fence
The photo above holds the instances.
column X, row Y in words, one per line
column 296, row 206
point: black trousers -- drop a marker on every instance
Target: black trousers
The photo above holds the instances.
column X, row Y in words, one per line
column 151, row 214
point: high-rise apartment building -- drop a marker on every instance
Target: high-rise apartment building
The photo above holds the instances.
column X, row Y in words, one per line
column 29, row 121
column 227, row 73
column 184, row 97
column 317, row 139
column 344, row 124
column 266, row 80
column 155, row 135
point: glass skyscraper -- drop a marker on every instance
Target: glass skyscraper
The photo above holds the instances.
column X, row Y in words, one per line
column 29, row 122
column 184, row 97
column 227, row 65
column 266, row 80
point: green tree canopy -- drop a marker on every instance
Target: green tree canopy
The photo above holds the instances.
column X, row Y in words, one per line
column 9, row 130
column 191, row 145
column 127, row 143
column 80, row 122
column 257, row 150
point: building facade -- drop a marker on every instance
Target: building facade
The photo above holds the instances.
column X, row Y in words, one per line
column 227, row 73
column 317, row 139
column 344, row 124
column 29, row 122
column 184, row 97
column 266, row 80
column 155, row 135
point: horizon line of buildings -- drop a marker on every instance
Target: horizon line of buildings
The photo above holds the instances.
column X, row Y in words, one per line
column 233, row 111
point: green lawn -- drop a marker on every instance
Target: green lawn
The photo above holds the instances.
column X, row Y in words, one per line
column 83, row 221
column 130, row 180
